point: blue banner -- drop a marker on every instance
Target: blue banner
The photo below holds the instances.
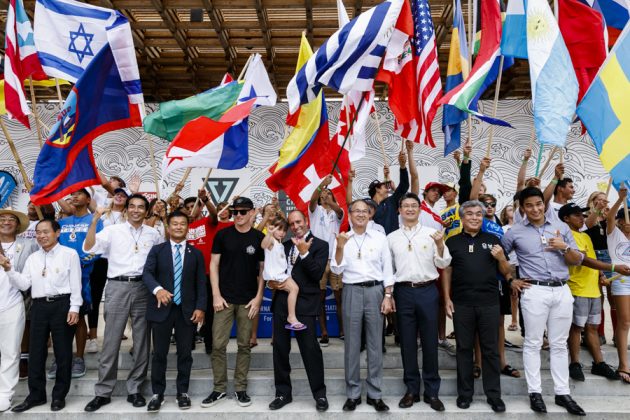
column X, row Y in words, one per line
column 7, row 185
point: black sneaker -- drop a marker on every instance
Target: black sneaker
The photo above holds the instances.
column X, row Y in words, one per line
column 242, row 398
column 575, row 372
column 183, row 401
column 213, row 399
column 605, row 370
column 324, row 341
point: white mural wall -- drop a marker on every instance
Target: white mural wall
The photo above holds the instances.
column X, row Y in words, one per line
column 125, row 153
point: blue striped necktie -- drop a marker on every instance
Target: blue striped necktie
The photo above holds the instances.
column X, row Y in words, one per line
column 177, row 269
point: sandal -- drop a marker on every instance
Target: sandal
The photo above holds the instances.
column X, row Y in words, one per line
column 451, row 336
column 476, row 372
column 624, row 376
column 510, row 371
column 253, row 344
column 298, row 326
column 513, row 327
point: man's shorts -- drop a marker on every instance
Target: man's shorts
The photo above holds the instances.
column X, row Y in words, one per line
column 586, row 311
column 332, row 278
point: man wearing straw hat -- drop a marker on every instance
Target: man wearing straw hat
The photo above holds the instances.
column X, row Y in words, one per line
column 12, row 312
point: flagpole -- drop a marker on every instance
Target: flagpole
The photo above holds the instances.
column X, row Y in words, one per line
column 35, row 113
column 59, row 94
column 380, row 136
column 540, row 152
column 625, row 211
column 347, row 135
column 254, row 179
column 471, row 45
column 240, row 76
column 608, row 187
column 497, row 91
column 20, row 164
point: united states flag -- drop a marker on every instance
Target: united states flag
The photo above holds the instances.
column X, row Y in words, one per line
column 412, row 72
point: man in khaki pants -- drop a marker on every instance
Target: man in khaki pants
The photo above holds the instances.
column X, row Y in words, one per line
column 237, row 290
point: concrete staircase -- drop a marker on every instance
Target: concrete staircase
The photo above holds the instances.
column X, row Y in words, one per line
column 601, row 398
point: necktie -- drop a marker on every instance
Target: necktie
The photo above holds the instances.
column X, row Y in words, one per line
column 177, row 269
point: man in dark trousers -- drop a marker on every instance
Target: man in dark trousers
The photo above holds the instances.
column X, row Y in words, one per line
column 307, row 257
column 175, row 276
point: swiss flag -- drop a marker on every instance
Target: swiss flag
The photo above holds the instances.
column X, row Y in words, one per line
column 300, row 180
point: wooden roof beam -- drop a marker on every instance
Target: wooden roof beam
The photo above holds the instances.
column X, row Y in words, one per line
column 308, row 4
column 266, row 34
column 224, row 39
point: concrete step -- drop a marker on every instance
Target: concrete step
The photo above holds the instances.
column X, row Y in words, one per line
column 262, row 357
column 610, row 408
column 261, row 383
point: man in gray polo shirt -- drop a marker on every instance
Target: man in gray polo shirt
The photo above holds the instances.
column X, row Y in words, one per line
column 545, row 248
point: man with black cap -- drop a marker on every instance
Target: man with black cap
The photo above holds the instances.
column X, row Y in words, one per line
column 237, row 290
column 587, row 305
column 73, row 231
column 387, row 211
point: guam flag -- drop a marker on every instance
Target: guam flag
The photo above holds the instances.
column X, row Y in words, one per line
column 98, row 103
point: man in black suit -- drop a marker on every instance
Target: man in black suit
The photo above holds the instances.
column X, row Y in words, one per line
column 175, row 276
column 307, row 257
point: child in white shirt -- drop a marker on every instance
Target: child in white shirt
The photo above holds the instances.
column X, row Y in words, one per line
column 275, row 270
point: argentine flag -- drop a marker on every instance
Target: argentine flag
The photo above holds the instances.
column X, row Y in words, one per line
column 70, row 34
column 554, row 84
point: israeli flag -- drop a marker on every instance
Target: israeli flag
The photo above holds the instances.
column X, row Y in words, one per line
column 349, row 59
column 69, row 34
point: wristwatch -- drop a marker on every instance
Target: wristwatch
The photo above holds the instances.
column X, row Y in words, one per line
column 565, row 250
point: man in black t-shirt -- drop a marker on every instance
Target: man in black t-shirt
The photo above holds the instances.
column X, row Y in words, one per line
column 237, row 290
column 472, row 279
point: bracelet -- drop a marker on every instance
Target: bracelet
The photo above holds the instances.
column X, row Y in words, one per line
column 612, row 268
column 319, row 188
column 554, row 181
column 524, row 161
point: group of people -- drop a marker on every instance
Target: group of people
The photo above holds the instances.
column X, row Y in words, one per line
column 176, row 275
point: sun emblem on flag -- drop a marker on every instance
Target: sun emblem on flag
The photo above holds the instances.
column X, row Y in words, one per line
column 538, row 26
column 86, row 49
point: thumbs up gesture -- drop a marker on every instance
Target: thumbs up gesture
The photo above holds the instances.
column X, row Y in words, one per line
column 557, row 242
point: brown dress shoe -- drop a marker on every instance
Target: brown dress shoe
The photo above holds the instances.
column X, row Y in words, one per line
column 408, row 399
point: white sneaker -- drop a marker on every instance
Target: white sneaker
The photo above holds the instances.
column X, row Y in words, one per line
column 5, row 404
column 91, row 346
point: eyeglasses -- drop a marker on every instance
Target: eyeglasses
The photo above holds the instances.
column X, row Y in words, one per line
column 7, row 220
column 490, row 204
column 242, row 212
column 360, row 211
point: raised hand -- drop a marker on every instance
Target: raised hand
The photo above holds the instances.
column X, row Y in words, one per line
column 302, row 245
column 527, row 154
column 342, row 239
column 559, row 171
column 438, row 237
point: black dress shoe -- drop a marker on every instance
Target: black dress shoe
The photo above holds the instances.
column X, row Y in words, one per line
column 183, row 401
column 279, row 402
column 434, row 403
column 571, row 406
column 137, row 400
column 408, row 399
column 27, row 405
column 379, row 405
column 57, row 405
column 351, row 404
column 321, row 404
column 497, row 404
column 463, row 402
column 536, row 403
column 97, row 403
column 156, row 403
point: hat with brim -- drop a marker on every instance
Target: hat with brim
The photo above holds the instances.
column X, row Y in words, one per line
column 22, row 218
column 242, row 203
column 452, row 186
column 441, row 187
column 569, row 209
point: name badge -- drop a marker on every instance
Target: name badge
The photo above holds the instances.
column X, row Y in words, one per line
column 471, row 248
column 543, row 240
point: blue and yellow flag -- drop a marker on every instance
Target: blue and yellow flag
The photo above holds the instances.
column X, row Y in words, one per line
column 457, row 71
column 605, row 112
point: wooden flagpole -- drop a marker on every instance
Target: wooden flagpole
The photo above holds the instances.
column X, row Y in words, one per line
column 205, row 181
column 549, row 159
column 254, row 179
column 608, row 187
column 497, row 90
column 471, row 44
column 379, row 134
column 35, row 113
column 20, row 164
column 152, row 155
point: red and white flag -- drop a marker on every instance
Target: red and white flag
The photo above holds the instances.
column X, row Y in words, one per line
column 21, row 61
column 412, row 71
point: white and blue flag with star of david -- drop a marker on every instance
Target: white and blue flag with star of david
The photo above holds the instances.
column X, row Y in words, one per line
column 69, row 34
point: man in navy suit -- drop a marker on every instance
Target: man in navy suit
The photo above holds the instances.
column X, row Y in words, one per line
column 176, row 278
column 307, row 257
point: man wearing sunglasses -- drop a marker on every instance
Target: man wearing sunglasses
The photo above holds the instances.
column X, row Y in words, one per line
column 237, row 290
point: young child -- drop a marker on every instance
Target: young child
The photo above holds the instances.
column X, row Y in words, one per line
column 275, row 271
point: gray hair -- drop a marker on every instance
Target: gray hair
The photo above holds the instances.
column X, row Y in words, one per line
column 470, row 204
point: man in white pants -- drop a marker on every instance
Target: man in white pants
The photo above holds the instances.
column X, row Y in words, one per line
column 544, row 248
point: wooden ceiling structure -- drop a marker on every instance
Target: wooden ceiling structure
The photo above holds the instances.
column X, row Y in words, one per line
column 184, row 47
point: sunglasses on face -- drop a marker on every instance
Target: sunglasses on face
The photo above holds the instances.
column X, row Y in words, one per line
column 489, row 204
column 242, row 212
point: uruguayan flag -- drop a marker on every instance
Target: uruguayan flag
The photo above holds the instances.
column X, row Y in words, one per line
column 349, row 59
column 69, row 34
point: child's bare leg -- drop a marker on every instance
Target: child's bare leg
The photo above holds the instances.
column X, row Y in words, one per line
column 293, row 289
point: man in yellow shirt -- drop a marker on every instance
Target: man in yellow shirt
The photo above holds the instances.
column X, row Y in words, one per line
column 584, row 284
